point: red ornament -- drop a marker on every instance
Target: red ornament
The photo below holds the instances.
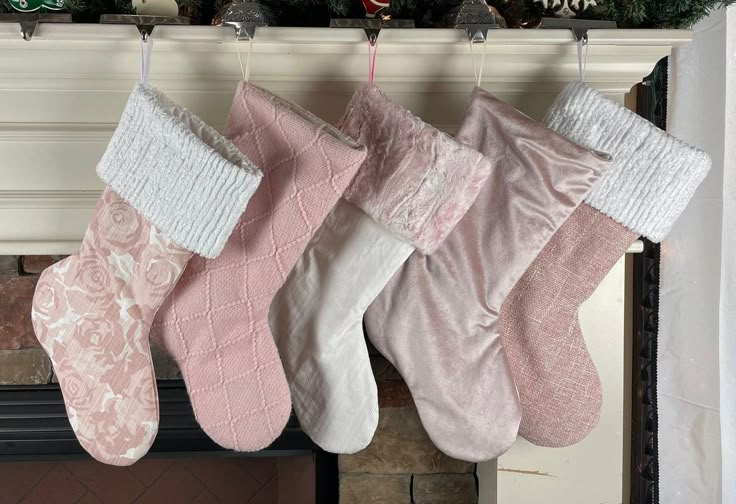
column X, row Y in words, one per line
column 373, row 6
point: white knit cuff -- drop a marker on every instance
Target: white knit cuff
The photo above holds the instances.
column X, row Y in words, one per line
column 653, row 175
column 182, row 175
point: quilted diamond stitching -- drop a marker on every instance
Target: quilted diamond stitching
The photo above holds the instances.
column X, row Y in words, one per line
column 254, row 122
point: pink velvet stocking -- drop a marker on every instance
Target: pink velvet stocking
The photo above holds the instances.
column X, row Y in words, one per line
column 437, row 319
column 215, row 323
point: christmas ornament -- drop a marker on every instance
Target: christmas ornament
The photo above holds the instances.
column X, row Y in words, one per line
column 34, row 5
column 167, row 8
column 650, row 181
column 563, row 8
column 414, row 186
column 175, row 187
column 372, row 7
column 215, row 323
column 437, row 320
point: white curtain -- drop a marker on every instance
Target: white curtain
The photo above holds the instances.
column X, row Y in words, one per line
column 697, row 345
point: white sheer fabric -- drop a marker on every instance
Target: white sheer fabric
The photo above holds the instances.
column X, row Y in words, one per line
column 697, row 350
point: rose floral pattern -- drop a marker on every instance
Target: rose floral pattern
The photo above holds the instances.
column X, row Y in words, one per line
column 92, row 313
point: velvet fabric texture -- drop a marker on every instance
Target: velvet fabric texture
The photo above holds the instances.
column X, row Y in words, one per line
column 215, row 323
column 437, row 319
column 414, row 186
column 652, row 178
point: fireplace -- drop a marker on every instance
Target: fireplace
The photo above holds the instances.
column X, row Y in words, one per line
column 37, row 443
column 38, row 449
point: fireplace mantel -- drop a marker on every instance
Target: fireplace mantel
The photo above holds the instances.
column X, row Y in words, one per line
column 62, row 93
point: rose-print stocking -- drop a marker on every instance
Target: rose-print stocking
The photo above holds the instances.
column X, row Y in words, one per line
column 174, row 187
column 437, row 320
column 215, row 323
column 414, row 186
column 651, row 180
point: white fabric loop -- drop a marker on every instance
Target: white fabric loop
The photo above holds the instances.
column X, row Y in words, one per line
column 582, row 58
column 244, row 70
column 146, row 48
column 478, row 72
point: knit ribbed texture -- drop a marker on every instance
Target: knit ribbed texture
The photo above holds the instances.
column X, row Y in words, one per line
column 182, row 175
column 653, row 175
column 417, row 181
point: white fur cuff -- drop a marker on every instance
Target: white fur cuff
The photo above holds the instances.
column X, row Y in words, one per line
column 653, row 175
column 182, row 175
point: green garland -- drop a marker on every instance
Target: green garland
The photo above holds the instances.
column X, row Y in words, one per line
column 626, row 13
column 660, row 13
column 426, row 13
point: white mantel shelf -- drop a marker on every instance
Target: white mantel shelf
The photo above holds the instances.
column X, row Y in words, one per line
column 433, row 57
column 62, row 93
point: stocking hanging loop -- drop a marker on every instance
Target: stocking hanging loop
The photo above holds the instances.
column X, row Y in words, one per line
column 478, row 72
column 244, row 70
column 582, row 46
column 146, row 48
column 372, row 51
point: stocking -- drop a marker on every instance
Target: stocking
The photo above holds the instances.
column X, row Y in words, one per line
column 650, row 181
column 215, row 323
column 174, row 187
column 437, row 320
column 414, row 186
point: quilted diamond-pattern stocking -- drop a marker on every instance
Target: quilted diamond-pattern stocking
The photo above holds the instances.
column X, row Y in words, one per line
column 215, row 323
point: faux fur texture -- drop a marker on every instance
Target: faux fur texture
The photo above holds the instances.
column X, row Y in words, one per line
column 417, row 181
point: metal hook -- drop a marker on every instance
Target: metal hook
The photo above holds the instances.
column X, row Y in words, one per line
column 372, row 35
column 143, row 23
column 243, row 30
column 580, row 34
column 29, row 21
column 477, row 35
column 371, row 26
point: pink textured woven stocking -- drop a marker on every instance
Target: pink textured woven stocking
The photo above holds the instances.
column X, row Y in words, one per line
column 175, row 187
column 215, row 323
column 650, row 181
column 437, row 319
column 557, row 381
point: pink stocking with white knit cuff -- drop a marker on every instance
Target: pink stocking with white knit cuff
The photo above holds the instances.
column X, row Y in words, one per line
column 175, row 187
